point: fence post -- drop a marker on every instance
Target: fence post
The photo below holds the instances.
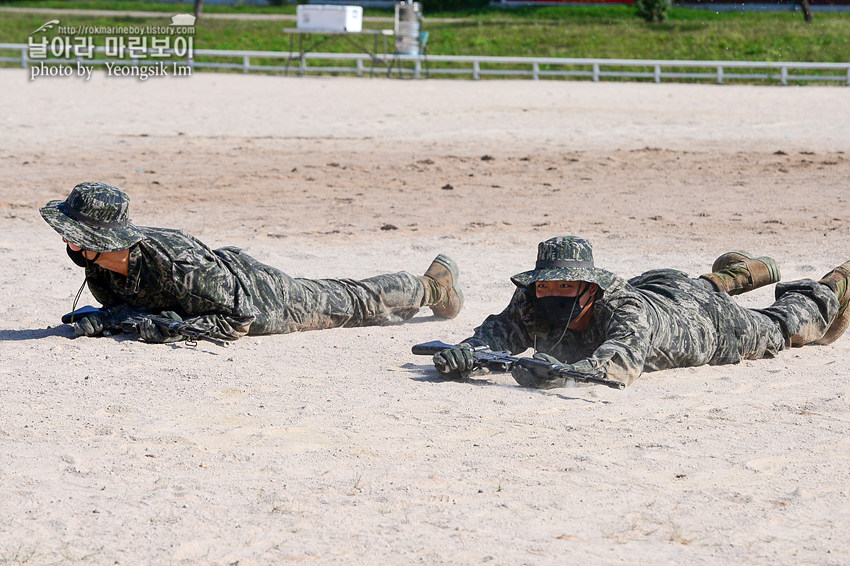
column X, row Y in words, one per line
column 535, row 71
column 784, row 75
column 417, row 68
column 719, row 75
column 658, row 73
column 848, row 75
column 245, row 64
column 596, row 72
column 359, row 67
column 25, row 63
column 476, row 70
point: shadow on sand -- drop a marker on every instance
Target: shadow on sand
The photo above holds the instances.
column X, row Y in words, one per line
column 64, row 331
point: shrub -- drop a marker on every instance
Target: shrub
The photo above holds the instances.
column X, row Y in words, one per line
column 653, row 10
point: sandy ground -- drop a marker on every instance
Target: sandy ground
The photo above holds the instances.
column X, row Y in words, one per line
column 339, row 446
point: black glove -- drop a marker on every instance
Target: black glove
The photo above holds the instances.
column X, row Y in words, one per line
column 528, row 378
column 547, row 358
column 454, row 363
column 90, row 325
column 149, row 331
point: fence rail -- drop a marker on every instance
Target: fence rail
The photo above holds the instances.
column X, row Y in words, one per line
column 476, row 67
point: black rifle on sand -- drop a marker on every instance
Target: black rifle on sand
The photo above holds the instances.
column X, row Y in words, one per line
column 504, row 362
column 126, row 319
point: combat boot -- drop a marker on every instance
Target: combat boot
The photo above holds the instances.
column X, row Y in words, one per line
column 442, row 291
column 838, row 280
column 738, row 272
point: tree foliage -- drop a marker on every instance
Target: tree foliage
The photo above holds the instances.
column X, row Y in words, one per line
column 653, row 11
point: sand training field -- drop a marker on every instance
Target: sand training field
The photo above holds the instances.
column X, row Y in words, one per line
column 339, row 446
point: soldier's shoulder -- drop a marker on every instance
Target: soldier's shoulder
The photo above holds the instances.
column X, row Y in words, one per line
column 655, row 276
column 618, row 286
column 620, row 294
column 156, row 232
column 168, row 237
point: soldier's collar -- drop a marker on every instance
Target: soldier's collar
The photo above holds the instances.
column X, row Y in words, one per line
column 134, row 269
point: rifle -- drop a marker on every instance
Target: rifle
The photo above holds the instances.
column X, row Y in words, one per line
column 127, row 319
column 504, row 362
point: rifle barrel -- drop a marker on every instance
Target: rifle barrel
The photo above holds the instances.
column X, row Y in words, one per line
column 590, row 378
column 430, row 348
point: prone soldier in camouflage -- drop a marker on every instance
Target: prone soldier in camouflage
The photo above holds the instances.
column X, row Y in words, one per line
column 592, row 321
column 224, row 290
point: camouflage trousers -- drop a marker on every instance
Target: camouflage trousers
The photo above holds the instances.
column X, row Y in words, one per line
column 802, row 313
column 692, row 324
column 313, row 304
column 803, row 310
column 285, row 304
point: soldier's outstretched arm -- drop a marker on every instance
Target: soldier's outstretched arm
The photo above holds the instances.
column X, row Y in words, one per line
column 627, row 344
column 505, row 331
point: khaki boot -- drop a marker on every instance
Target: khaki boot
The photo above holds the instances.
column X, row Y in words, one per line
column 838, row 280
column 442, row 292
column 739, row 272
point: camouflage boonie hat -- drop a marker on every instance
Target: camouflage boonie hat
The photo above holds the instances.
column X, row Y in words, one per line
column 95, row 217
column 565, row 258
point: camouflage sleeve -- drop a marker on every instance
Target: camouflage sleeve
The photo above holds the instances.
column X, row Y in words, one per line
column 206, row 288
column 504, row 331
column 627, row 342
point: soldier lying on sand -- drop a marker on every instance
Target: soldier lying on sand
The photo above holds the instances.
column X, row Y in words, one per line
column 593, row 321
column 225, row 291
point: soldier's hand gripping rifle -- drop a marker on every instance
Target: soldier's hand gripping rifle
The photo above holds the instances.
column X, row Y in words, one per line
column 126, row 319
column 504, row 362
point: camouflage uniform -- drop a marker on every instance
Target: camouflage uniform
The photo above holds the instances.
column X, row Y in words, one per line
column 226, row 290
column 659, row 320
column 234, row 294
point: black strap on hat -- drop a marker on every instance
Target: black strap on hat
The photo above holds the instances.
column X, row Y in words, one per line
column 86, row 219
column 565, row 263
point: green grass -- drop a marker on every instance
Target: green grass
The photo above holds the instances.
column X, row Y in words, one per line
column 141, row 6
column 585, row 32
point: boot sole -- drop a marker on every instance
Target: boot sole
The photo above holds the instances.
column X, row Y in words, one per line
column 837, row 328
column 842, row 318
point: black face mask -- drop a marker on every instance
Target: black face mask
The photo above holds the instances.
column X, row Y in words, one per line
column 557, row 312
column 76, row 256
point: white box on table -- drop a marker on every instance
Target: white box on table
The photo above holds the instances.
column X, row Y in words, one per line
column 329, row 17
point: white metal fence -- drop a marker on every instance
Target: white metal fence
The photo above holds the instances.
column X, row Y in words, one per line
column 476, row 67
